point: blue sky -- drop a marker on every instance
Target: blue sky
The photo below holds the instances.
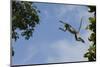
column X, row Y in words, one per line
column 49, row 44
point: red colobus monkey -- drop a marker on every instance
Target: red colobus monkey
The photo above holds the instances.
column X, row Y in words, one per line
column 68, row 27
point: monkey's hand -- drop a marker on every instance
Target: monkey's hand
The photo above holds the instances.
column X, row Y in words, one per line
column 62, row 29
column 62, row 22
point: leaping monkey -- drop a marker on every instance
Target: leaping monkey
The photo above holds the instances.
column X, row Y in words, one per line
column 68, row 27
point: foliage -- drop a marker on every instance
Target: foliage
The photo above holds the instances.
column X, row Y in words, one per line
column 24, row 19
column 91, row 54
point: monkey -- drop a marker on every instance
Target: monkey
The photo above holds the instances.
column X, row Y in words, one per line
column 68, row 27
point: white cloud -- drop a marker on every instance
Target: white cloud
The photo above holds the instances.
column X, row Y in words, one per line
column 31, row 52
column 63, row 9
column 61, row 51
column 67, row 51
column 46, row 15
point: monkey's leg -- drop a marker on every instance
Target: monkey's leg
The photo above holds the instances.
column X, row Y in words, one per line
column 76, row 37
column 81, row 40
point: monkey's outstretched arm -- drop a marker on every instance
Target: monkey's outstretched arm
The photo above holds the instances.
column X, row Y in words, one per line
column 62, row 22
column 62, row 29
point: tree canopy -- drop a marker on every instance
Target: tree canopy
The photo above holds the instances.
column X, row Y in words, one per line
column 24, row 19
column 91, row 53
